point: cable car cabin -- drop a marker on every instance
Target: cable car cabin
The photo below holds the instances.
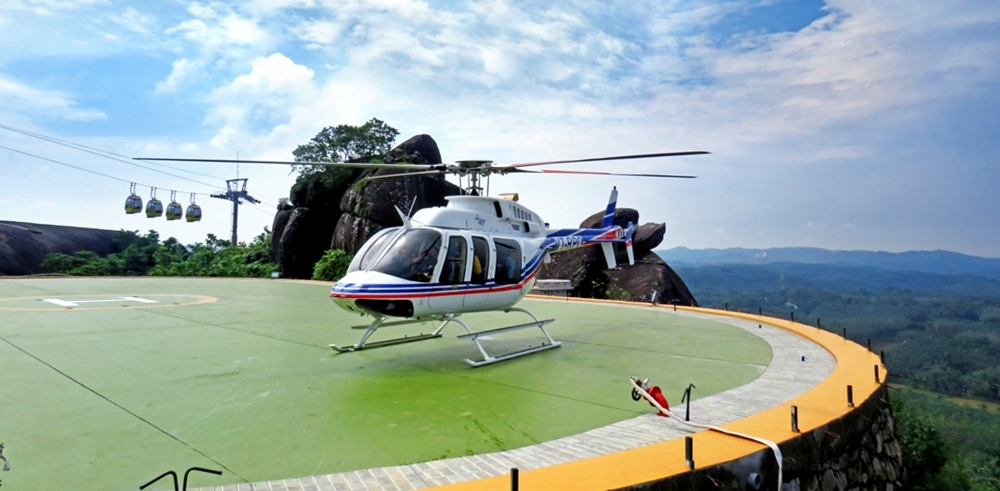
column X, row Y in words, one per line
column 193, row 213
column 133, row 204
column 154, row 208
column 175, row 211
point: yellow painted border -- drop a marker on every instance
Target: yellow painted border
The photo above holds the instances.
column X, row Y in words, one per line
column 825, row 402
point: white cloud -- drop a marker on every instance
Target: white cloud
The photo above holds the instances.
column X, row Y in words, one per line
column 16, row 97
column 133, row 20
column 49, row 7
column 260, row 100
column 215, row 28
column 183, row 70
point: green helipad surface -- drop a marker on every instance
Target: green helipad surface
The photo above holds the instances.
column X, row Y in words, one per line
column 101, row 388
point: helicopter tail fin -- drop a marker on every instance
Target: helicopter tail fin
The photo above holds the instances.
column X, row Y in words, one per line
column 609, row 254
column 628, row 243
column 609, row 213
column 609, row 249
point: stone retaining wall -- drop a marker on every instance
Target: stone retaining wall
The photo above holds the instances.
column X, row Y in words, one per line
column 857, row 452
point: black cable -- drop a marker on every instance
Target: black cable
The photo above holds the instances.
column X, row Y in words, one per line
column 106, row 154
column 94, row 172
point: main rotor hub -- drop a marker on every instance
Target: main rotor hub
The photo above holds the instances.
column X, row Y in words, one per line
column 481, row 167
column 473, row 169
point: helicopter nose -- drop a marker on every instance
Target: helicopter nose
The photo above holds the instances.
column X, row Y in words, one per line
column 351, row 282
column 345, row 292
column 339, row 293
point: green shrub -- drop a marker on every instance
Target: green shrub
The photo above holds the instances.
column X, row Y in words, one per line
column 923, row 448
column 146, row 255
column 332, row 266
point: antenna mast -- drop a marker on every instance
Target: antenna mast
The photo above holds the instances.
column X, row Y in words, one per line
column 236, row 190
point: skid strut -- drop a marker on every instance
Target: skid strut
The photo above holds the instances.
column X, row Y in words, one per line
column 380, row 322
column 474, row 336
column 489, row 359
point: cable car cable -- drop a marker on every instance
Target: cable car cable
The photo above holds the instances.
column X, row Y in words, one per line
column 88, row 170
column 100, row 152
column 141, row 166
column 112, row 155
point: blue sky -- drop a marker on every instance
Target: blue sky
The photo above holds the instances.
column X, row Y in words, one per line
column 844, row 124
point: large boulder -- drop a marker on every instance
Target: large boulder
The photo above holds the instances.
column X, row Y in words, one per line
column 315, row 208
column 649, row 274
column 301, row 242
column 369, row 206
column 278, row 229
column 338, row 208
column 23, row 245
column 587, row 270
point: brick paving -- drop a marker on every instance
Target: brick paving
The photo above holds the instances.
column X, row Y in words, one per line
column 785, row 377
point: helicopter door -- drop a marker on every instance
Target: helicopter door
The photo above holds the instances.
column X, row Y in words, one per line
column 480, row 269
column 453, row 269
column 453, row 272
column 507, row 274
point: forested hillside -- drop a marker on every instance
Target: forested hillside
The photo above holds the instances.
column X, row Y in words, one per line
column 940, row 334
column 941, row 262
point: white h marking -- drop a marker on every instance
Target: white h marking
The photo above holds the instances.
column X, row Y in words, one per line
column 76, row 303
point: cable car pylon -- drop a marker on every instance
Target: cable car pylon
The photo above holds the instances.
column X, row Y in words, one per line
column 236, row 190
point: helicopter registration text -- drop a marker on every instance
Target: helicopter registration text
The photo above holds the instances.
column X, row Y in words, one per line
column 570, row 242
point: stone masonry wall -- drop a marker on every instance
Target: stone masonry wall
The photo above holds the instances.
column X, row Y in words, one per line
column 858, row 452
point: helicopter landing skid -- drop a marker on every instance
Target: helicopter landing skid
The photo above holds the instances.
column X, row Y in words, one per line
column 489, row 359
column 380, row 322
column 474, row 336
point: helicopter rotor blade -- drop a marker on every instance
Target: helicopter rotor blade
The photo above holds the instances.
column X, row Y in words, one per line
column 404, row 174
column 599, row 173
column 602, row 159
column 284, row 162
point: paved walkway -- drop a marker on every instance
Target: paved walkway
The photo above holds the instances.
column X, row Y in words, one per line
column 784, row 378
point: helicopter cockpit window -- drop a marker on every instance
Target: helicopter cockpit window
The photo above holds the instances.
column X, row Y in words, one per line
column 453, row 269
column 369, row 251
column 480, row 259
column 412, row 256
column 508, row 262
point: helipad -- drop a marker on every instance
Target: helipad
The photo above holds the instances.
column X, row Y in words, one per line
column 107, row 387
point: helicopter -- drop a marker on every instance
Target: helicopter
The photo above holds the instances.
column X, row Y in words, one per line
column 476, row 254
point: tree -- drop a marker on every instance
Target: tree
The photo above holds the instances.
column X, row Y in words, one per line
column 923, row 448
column 345, row 143
column 321, row 187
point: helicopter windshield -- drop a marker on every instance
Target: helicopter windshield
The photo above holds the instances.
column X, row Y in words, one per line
column 370, row 249
column 412, row 256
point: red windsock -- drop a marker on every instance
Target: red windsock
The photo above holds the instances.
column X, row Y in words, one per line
column 660, row 399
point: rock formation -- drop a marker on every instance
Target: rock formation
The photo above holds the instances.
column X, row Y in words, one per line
column 333, row 210
column 587, row 270
column 339, row 210
column 23, row 245
column 371, row 206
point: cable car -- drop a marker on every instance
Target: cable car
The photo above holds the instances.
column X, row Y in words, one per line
column 193, row 213
column 154, row 208
column 133, row 204
column 174, row 209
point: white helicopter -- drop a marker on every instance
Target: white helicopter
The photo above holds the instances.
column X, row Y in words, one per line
column 476, row 254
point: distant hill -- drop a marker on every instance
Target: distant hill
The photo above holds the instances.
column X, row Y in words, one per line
column 939, row 262
column 707, row 280
column 23, row 245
